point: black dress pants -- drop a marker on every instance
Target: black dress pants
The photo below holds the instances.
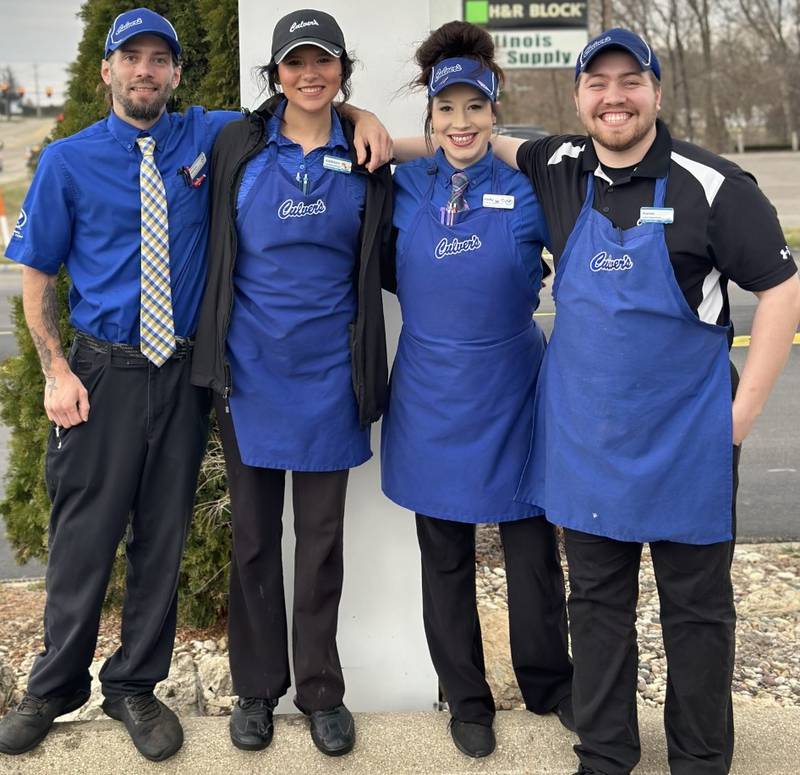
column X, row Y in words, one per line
column 698, row 622
column 257, row 631
column 132, row 466
column 536, row 612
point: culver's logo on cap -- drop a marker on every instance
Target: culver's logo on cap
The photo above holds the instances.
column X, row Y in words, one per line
column 299, row 25
column 128, row 25
column 452, row 247
column 604, row 262
column 291, row 209
column 448, row 70
column 592, row 46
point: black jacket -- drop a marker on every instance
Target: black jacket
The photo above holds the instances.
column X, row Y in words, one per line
column 238, row 142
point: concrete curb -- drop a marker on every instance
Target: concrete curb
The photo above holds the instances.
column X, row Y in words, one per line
column 396, row 744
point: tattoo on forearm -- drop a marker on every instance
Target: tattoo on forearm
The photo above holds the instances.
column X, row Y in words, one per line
column 50, row 311
column 50, row 324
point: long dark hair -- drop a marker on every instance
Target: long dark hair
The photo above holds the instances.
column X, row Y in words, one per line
column 454, row 39
column 267, row 76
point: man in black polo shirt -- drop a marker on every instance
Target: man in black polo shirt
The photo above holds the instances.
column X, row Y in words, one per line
column 636, row 437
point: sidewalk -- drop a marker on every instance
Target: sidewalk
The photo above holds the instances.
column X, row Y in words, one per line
column 396, row 744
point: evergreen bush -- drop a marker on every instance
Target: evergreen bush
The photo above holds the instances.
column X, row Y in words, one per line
column 208, row 31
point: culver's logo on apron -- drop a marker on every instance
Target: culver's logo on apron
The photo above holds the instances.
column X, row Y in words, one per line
column 605, row 262
column 452, row 247
column 291, row 209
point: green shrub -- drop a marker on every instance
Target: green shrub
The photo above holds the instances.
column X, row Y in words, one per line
column 208, row 31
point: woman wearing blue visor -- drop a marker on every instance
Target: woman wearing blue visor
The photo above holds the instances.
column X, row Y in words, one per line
column 456, row 433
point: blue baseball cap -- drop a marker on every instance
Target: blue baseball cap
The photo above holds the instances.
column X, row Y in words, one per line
column 463, row 70
column 621, row 39
column 137, row 22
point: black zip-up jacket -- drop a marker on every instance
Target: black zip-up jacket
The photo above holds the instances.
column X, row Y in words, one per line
column 237, row 143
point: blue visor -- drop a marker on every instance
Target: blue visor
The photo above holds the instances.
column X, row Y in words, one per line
column 463, row 70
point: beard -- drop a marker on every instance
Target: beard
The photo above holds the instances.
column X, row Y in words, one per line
column 140, row 111
column 619, row 143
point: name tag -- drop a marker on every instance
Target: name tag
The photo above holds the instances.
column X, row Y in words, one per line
column 500, row 201
column 337, row 165
column 656, row 215
column 197, row 165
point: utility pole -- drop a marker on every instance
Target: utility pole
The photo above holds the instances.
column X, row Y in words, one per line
column 38, row 95
column 607, row 15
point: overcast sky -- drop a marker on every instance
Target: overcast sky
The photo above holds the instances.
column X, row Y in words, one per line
column 46, row 32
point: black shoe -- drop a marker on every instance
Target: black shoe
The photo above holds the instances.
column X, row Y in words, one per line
column 153, row 727
column 475, row 740
column 565, row 714
column 251, row 724
column 28, row 724
column 333, row 731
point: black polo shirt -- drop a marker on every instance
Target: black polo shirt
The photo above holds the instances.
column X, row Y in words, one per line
column 724, row 227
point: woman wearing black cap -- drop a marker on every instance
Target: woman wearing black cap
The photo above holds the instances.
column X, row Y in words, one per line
column 291, row 338
column 457, row 429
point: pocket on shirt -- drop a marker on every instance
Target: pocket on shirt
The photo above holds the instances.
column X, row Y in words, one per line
column 187, row 206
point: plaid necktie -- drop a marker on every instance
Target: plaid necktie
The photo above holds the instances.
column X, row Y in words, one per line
column 459, row 182
column 156, row 330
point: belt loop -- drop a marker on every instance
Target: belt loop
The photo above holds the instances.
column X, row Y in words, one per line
column 109, row 353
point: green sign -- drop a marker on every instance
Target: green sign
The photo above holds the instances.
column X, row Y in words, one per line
column 476, row 11
column 526, row 15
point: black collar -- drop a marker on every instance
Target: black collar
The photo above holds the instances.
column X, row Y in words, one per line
column 655, row 163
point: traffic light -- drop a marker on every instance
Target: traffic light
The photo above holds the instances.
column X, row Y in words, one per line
column 4, row 87
column 20, row 91
column 48, row 91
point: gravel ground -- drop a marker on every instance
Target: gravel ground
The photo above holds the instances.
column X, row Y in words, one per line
column 767, row 589
column 766, row 580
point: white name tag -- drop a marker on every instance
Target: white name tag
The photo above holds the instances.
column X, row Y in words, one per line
column 656, row 215
column 197, row 165
column 500, row 201
column 337, row 165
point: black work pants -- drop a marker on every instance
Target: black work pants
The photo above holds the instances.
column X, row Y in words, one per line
column 132, row 466
column 536, row 612
column 257, row 631
column 698, row 623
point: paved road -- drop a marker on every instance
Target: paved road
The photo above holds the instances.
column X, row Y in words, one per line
column 17, row 136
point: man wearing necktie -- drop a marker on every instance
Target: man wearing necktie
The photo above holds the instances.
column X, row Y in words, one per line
column 123, row 207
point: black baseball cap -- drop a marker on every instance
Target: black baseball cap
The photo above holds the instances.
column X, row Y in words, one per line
column 306, row 27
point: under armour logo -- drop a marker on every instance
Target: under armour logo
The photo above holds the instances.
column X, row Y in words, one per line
column 786, row 254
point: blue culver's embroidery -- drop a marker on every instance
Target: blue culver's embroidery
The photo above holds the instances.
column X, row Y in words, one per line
column 604, row 262
column 451, row 247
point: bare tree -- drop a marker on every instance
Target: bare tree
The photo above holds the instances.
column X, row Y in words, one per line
column 772, row 21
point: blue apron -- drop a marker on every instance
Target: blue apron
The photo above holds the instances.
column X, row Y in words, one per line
column 632, row 437
column 292, row 402
column 456, row 432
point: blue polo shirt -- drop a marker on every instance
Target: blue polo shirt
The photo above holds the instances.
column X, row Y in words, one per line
column 412, row 180
column 292, row 159
column 83, row 210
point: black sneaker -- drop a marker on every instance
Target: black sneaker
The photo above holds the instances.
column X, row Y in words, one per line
column 333, row 731
column 28, row 724
column 153, row 727
column 251, row 724
column 475, row 740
